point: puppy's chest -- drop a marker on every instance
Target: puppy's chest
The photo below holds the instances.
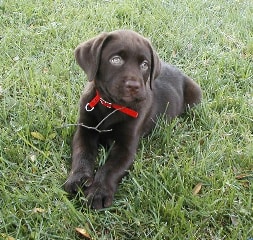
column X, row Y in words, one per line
column 105, row 120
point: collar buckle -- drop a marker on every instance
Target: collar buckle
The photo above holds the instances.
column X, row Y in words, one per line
column 105, row 103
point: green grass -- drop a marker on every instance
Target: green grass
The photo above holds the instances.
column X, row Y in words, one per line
column 40, row 84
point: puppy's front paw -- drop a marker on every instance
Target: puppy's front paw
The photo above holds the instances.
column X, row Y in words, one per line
column 76, row 181
column 100, row 195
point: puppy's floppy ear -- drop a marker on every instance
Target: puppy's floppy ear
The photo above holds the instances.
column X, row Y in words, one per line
column 88, row 55
column 155, row 65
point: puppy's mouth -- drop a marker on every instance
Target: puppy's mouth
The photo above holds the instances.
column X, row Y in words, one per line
column 128, row 99
column 125, row 98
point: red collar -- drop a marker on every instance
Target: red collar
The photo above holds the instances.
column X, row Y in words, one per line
column 90, row 106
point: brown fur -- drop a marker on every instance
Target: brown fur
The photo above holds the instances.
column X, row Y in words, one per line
column 136, row 78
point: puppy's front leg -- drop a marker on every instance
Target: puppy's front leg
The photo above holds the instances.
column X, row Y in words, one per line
column 84, row 152
column 101, row 193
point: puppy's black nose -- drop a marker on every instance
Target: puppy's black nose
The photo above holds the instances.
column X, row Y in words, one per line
column 132, row 86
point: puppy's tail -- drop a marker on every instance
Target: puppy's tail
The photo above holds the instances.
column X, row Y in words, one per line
column 192, row 93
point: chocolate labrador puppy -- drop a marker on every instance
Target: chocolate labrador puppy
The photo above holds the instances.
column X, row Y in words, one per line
column 129, row 87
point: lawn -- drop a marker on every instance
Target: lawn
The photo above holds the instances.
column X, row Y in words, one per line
column 192, row 178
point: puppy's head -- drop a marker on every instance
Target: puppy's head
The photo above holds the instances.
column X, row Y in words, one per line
column 122, row 63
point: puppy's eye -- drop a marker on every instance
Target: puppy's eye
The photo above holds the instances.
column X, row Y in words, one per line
column 144, row 65
column 116, row 60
